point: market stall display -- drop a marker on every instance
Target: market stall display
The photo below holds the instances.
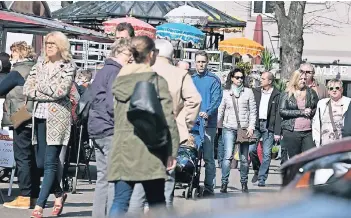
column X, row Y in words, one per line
column 187, row 15
column 141, row 28
column 241, row 46
column 180, row 32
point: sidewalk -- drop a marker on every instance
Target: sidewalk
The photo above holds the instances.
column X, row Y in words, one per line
column 80, row 204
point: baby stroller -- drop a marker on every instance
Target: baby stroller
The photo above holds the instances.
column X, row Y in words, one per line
column 79, row 151
column 188, row 169
column 78, row 155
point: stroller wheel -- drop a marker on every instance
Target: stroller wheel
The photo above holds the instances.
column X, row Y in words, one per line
column 74, row 185
column 200, row 191
column 187, row 192
column 195, row 193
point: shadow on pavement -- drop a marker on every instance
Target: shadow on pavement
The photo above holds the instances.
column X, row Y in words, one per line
column 78, row 204
column 77, row 214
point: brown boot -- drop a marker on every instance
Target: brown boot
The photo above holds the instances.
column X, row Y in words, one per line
column 19, row 203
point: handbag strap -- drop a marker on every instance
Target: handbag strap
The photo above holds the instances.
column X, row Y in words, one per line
column 236, row 111
column 332, row 121
column 155, row 81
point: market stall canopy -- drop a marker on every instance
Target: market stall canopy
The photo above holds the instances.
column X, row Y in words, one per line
column 93, row 13
column 241, row 46
column 140, row 27
column 21, row 23
column 180, row 32
column 188, row 15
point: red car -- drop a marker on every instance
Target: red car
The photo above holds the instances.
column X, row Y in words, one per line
column 322, row 166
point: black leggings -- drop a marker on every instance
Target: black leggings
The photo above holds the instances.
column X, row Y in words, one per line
column 297, row 142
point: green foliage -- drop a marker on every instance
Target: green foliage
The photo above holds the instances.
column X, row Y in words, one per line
column 275, row 149
column 268, row 59
column 280, row 85
column 246, row 67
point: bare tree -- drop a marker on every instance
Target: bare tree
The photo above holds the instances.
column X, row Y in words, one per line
column 290, row 27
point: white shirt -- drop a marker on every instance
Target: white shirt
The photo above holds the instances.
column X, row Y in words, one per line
column 263, row 110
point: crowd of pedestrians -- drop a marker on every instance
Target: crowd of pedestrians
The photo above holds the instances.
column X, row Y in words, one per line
column 132, row 176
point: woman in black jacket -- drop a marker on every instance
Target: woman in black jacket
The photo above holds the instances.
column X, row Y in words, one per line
column 297, row 107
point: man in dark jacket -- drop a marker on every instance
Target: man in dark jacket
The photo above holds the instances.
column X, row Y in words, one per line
column 101, row 121
column 267, row 125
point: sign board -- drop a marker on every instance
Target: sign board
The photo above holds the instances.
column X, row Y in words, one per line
column 333, row 71
column 6, row 150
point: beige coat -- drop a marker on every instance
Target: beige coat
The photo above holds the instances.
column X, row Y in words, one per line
column 186, row 98
column 54, row 89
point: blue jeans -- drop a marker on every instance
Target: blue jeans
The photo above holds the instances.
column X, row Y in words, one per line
column 220, row 148
column 48, row 157
column 229, row 138
column 138, row 200
column 208, row 156
column 154, row 191
column 267, row 144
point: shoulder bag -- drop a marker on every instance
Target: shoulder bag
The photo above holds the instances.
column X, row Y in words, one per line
column 241, row 136
column 332, row 121
column 20, row 116
column 145, row 113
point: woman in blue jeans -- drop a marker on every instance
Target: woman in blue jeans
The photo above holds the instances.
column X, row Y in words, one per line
column 49, row 84
column 246, row 105
column 130, row 161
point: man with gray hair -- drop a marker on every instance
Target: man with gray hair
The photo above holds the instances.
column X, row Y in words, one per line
column 320, row 89
column 183, row 65
column 101, row 121
column 186, row 106
column 267, row 126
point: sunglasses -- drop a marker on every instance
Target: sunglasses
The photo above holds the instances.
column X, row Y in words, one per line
column 337, row 88
column 238, row 77
column 307, row 72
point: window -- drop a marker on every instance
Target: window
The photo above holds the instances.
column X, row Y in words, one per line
column 262, row 7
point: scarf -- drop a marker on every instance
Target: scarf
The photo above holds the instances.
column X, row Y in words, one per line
column 237, row 90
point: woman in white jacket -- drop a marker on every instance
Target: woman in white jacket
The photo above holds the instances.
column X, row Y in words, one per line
column 245, row 101
column 329, row 118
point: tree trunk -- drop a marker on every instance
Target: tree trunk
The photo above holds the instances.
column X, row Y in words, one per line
column 290, row 28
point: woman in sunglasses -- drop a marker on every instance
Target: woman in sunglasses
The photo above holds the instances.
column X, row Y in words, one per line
column 329, row 118
column 297, row 107
column 246, row 108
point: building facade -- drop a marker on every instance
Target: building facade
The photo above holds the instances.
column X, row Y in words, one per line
column 326, row 35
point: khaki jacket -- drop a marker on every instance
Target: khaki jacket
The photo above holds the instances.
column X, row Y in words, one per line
column 186, row 98
column 129, row 158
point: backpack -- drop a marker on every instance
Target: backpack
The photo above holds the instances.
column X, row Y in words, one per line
column 145, row 113
column 83, row 107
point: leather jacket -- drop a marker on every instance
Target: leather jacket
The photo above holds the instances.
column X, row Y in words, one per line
column 289, row 110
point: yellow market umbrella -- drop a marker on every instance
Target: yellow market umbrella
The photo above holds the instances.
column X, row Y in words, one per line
column 241, row 46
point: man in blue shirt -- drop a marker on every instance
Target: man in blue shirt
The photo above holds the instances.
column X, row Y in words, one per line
column 209, row 87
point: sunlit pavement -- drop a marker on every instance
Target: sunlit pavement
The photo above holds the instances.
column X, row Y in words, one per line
column 80, row 204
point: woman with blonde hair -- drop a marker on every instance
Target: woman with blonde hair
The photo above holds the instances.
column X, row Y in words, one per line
column 12, row 87
column 49, row 84
column 297, row 107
